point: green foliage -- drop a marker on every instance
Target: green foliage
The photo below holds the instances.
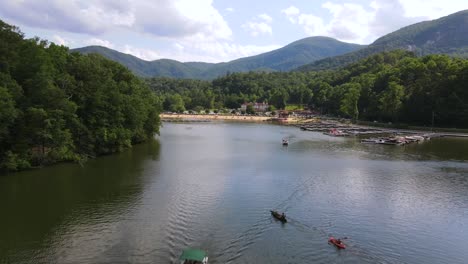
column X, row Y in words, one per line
column 349, row 102
column 389, row 86
column 293, row 107
column 176, row 103
column 391, row 99
column 250, row 110
column 56, row 106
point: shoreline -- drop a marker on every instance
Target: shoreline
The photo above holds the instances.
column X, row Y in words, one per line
column 240, row 118
column 296, row 121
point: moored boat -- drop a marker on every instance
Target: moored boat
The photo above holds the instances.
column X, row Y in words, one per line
column 279, row 216
column 193, row 256
column 336, row 133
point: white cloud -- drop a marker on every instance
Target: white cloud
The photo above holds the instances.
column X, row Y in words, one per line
column 291, row 12
column 99, row 42
column 350, row 22
column 363, row 24
column 312, row 25
column 268, row 19
column 229, row 9
column 258, row 28
column 179, row 47
column 60, row 40
column 216, row 51
column 432, row 8
column 261, row 25
column 203, row 12
column 145, row 54
column 161, row 18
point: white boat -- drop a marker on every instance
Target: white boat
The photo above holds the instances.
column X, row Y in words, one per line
column 285, row 142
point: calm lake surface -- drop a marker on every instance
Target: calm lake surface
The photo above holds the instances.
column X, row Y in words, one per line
column 211, row 186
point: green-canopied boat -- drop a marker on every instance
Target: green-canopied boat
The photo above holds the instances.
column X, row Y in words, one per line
column 193, row 256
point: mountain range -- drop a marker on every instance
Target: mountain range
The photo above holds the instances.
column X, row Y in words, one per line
column 446, row 35
column 286, row 58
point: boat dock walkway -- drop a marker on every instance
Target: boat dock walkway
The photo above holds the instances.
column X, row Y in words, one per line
column 387, row 136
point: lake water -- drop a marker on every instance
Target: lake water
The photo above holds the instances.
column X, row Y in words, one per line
column 211, row 186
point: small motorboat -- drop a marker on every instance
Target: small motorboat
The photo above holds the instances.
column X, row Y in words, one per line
column 337, row 243
column 279, row 216
column 193, row 256
column 285, row 142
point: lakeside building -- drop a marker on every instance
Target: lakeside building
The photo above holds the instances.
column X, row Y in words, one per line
column 258, row 107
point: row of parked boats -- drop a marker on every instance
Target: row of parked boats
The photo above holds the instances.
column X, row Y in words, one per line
column 395, row 140
column 391, row 140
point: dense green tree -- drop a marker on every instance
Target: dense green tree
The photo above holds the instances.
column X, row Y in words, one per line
column 391, row 99
column 176, row 103
column 390, row 86
column 349, row 102
column 56, row 106
column 250, row 110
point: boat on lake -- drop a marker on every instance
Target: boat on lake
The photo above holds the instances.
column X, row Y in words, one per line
column 193, row 256
column 279, row 216
column 285, row 142
column 336, row 133
column 337, row 242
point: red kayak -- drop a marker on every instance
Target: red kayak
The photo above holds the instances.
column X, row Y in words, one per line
column 337, row 243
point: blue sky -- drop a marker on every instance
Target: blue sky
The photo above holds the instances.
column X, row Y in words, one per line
column 213, row 30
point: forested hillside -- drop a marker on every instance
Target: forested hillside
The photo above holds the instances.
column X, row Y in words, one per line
column 56, row 106
column 286, row 58
column 392, row 86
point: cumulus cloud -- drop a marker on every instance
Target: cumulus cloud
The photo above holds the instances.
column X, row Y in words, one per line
column 260, row 25
column 266, row 18
column 72, row 16
column 363, row 24
column 216, row 51
column 349, row 22
column 389, row 15
column 60, row 40
column 145, row 54
column 291, row 12
column 161, row 18
column 432, row 8
column 230, row 9
column 99, row 42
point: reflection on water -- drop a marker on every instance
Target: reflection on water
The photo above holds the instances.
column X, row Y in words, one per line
column 211, row 186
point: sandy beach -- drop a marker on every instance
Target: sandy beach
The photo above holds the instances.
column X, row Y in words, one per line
column 221, row 117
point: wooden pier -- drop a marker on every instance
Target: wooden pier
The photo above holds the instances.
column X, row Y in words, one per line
column 383, row 136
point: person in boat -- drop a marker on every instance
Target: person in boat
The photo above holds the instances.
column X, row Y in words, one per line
column 283, row 216
column 338, row 241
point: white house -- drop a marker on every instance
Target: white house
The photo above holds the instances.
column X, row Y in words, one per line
column 258, row 107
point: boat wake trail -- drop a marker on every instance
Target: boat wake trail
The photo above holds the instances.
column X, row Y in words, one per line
column 183, row 214
column 300, row 188
column 238, row 245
